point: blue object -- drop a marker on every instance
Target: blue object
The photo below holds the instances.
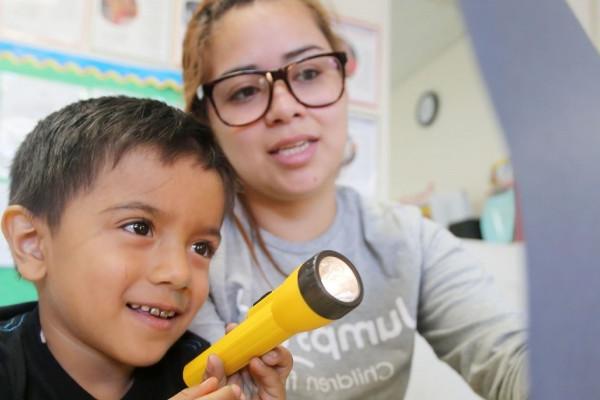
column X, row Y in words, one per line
column 497, row 221
column 542, row 74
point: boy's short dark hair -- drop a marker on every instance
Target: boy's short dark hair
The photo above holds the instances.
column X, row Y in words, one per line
column 66, row 150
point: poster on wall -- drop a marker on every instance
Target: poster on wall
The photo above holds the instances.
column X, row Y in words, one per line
column 133, row 29
column 36, row 82
column 363, row 50
column 184, row 14
column 23, row 102
column 360, row 163
column 52, row 23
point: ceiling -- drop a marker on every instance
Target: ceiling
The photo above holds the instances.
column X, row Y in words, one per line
column 420, row 31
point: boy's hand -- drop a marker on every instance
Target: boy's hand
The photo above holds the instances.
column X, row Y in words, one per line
column 209, row 390
column 267, row 373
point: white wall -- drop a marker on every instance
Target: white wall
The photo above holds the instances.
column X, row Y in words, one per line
column 588, row 14
column 376, row 13
column 459, row 148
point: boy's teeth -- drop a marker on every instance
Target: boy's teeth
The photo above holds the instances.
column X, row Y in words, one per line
column 154, row 311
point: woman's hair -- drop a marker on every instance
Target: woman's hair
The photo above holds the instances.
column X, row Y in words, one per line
column 195, row 61
column 200, row 31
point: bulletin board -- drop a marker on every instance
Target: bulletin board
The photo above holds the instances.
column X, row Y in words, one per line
column 35, row 82
column 362, row 45
column 359, row 169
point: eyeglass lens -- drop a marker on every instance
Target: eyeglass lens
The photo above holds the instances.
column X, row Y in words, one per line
column 315, row 82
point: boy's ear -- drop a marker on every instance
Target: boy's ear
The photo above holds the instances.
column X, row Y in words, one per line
column 24, row 233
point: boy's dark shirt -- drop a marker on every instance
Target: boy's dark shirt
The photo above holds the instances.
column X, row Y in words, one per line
column 29, row 371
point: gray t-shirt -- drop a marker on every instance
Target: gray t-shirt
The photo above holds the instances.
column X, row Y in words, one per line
column 416, row 276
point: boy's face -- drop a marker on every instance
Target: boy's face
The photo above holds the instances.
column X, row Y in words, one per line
column 127, row 266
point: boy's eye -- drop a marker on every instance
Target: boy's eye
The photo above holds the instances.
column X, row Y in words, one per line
column 204, row 249
column 138, row 228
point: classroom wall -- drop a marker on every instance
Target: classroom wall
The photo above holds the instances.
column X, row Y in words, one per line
column 457, row 151
column 588, row 15
column 376, row 14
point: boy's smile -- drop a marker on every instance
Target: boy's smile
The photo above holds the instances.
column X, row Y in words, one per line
column 126, row 268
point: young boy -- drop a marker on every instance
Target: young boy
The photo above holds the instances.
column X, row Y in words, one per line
column 115, row 210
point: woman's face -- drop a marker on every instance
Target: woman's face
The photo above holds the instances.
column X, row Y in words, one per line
column 292, row 151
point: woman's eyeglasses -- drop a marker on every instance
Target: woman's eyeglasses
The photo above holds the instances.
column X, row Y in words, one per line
column 244, row 97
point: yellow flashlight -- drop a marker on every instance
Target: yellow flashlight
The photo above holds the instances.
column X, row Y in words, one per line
column 321, row 290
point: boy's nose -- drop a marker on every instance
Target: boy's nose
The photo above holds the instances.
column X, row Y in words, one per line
column 284, row 106
column 171, row 266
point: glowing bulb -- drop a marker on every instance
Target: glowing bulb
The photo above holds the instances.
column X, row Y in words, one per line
column 338, row 279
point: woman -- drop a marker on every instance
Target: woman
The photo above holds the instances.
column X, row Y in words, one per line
column 267, row 76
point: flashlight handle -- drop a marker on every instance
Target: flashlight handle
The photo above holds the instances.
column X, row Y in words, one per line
column 251, row 338
column 272, row 320
column 299, row 304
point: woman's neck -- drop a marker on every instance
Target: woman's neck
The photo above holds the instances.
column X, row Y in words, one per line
column 299, row 219
column 99, row 376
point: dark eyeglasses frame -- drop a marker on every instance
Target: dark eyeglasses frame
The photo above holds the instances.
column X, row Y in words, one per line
column 272, row 76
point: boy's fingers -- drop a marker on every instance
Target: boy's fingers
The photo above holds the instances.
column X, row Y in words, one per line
column 270, row 372
column 215, row 368
column 269, row 383
column 209, row 385
column 231, row 392
column 279, row 358
column 230, row 326
column 235, row 379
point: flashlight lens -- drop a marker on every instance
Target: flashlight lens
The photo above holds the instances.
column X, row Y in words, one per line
column 339, row 279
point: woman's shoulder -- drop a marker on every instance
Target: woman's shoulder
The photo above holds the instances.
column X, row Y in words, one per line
column 391, row 222
column 385, row 226
column 391, row 233
column 381, row 212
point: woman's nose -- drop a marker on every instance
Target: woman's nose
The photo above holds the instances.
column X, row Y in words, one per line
column 284, row 106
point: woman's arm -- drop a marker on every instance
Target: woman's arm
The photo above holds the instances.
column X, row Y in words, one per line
column 467, row 322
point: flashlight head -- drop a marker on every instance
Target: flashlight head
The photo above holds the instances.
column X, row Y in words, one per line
column 330, row 284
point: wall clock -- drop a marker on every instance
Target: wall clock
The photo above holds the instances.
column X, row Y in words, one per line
column 427, row 108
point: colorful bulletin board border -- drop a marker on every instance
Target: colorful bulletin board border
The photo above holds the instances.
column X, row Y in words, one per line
column 90, row 72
